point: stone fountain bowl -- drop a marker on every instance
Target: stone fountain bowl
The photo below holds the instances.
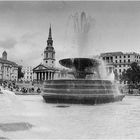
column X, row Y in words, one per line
column 81, row 67
column 80, row 64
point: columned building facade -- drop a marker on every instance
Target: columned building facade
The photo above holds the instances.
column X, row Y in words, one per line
column 43, row 73
column 120, row 61
column 46, row 70
column 8, row 69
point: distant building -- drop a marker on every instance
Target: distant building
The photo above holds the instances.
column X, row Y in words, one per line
column 8, row 69
column 28, row 73
column 46, row 70
column 119, row 61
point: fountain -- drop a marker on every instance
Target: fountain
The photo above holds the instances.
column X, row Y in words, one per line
column 90, row 85
column 81, row 90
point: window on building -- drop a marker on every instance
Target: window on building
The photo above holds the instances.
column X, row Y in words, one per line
column 120, row 56
column 124, row 61
column 119, row 70
column 120, row 61
column 116, row 57
column 46, row 61
column 128, row 60
column 116, row 61
column 128, row 56
column 119, row 65
column 124, row 56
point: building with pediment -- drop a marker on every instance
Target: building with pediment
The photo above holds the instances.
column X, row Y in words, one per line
column 46, row 70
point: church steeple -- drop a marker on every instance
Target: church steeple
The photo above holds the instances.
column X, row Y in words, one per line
column 50, row 41
column 49, row 52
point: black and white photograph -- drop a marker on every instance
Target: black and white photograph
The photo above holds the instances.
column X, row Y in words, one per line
column 69, row 70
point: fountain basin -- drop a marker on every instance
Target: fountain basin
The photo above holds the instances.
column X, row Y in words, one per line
column 81, row 67
column 80, row 91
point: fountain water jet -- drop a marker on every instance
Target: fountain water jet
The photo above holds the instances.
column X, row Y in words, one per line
column 82, row 89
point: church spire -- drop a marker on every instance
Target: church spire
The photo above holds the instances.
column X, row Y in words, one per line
column 50, row 32
column 50, row 41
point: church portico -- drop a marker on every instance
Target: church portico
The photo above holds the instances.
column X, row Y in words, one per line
column 43, row 75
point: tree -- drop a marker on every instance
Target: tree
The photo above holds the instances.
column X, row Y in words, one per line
column 20, row 73
column 132, row 76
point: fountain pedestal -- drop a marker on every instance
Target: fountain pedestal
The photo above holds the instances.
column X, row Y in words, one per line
column 80, row 90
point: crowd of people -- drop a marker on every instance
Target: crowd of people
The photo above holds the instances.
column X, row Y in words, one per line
column 20, row 89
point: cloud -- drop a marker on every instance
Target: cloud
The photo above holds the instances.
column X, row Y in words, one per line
column 28, row 52
column 29, row 36
column 8, row 43
column 30, row 39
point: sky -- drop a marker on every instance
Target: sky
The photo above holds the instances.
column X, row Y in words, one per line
column 24, row 28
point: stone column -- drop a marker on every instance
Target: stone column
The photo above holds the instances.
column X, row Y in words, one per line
column 45, row 76
column 53, row 76
column 49, row 73
column 37, row 76
column 41, row 76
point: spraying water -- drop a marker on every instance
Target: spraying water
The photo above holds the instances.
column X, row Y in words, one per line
column 81, row 33
column 79, row 29
column 82, row 27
